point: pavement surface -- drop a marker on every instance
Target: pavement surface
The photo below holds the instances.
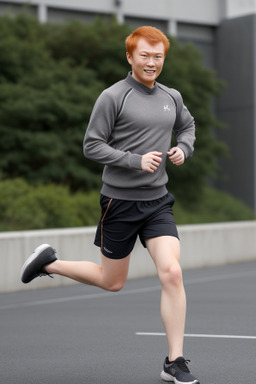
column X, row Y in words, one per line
column 80, row 334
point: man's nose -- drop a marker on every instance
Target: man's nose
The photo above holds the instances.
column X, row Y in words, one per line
column 151, row 61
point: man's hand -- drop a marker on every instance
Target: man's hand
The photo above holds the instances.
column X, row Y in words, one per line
column 176, row 156
column 151, row 161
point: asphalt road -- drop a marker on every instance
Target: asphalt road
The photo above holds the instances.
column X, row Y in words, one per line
column 79, row 334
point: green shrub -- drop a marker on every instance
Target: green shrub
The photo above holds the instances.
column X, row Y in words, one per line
column 24, row 207
column 213, row 206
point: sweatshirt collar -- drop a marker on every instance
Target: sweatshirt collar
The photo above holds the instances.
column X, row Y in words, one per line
column 139, row 86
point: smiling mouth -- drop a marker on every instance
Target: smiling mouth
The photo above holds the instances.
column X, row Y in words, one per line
column 149, row 71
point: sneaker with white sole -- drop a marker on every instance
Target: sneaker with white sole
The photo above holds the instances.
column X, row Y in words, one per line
column 35, row 265
column 178, row 372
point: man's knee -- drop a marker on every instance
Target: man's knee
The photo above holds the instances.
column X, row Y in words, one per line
column 115, row 286
column 172, row 275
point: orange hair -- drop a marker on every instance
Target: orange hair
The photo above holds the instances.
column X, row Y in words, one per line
column 151, row 34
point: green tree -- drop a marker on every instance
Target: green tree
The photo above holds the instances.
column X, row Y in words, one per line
column 50, row 78
column 184, row 70
column 99, row 46
column 45, row 104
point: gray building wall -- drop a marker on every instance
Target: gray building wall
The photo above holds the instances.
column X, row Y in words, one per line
column 235, row 54
column 204, row 38
column 8, row 7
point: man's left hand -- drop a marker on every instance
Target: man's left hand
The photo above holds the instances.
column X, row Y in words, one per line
column 176, row 156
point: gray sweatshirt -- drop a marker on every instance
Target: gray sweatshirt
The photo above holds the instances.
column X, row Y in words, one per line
column 129, row 120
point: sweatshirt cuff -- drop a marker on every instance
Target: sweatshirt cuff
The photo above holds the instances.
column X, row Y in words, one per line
column 135, row 161
column 185, row 149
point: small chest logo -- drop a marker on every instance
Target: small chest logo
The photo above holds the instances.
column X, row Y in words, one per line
column 166, row 108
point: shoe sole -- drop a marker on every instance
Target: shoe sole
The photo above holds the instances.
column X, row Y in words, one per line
column 32, row 257
column 167, row 377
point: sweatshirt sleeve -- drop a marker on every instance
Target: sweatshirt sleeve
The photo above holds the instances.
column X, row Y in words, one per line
column 184, row 127
column 99, row 132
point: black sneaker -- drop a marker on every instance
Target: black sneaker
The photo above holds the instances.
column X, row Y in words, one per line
column 34, row 266
column 178, row 372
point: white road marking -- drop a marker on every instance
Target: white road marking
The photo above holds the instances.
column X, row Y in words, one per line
column 200, row 335
column 132, row 291
column 81, row 297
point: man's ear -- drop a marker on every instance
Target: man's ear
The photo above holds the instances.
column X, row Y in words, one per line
column 129, row 58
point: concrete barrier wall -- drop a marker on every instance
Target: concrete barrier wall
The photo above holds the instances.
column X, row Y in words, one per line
column 201, row 246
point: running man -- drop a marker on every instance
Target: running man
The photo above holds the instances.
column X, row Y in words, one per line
column 130, row 132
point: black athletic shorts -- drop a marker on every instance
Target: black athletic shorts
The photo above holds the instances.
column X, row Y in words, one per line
column 122, row 221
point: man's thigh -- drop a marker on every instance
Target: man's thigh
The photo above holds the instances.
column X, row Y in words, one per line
column 114, row 272
column 165, row 251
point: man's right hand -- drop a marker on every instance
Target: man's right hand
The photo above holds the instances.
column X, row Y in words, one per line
column 151, row 161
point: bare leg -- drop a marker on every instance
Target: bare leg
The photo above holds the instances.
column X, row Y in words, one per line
column 111, row 275
column 165, row 252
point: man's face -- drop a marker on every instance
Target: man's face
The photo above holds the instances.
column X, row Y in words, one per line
column 147, row 62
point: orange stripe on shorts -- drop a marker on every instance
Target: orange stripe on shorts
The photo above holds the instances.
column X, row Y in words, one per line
column 101, row 234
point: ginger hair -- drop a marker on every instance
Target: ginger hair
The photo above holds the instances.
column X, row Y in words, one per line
column 151, row 34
